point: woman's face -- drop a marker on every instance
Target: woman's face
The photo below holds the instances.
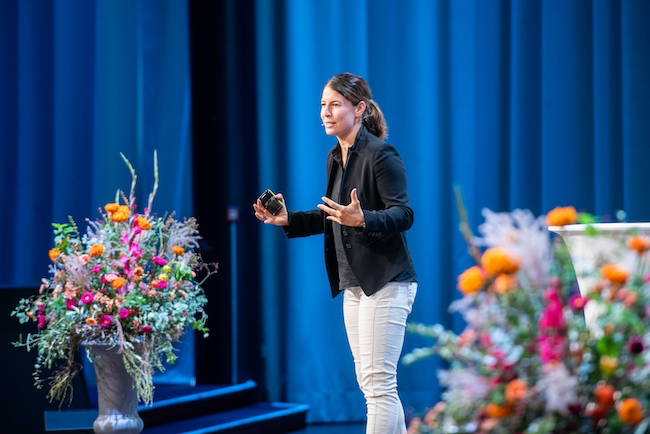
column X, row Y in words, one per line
column 338, row 114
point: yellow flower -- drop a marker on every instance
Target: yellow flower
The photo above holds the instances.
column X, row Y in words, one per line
column 164, row 277
column 496, row 260
column 54, row 253
column 560, row 216
column 471, row 280
column 178, row 250
column 96, row 250
column 608, row 365
column 630, row 411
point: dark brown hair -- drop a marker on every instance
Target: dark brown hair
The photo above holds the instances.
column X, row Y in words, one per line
column 355, row 89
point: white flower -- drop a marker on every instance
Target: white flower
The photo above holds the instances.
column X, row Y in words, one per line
column 522, row 235
column 559, row 388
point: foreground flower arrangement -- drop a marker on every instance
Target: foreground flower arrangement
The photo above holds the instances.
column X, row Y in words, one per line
column 130, row 281
column 527, row 362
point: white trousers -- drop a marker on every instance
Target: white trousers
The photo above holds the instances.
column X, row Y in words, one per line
column 375, row 327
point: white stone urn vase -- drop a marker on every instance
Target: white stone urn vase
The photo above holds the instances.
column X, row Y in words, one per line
column 608, row 245
column 117, row 396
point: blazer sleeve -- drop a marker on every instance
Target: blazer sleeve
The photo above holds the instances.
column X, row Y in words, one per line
column 390, row 178
column 305, row 223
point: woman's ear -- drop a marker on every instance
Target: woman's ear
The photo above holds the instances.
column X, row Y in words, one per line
column 361, row 107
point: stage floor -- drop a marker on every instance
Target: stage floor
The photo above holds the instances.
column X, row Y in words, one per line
column 334, row 428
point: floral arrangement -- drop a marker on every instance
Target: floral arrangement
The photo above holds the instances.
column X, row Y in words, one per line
column 130, row 281
column 528, row 361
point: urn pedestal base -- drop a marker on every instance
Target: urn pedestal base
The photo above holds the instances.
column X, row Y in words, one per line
column 117, row 396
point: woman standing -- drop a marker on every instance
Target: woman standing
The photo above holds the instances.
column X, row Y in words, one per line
column 364, row 216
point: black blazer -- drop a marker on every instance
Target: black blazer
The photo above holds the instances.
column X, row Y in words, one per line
column 378, row 252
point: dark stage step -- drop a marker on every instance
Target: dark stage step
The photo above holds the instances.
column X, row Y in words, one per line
column 200, row 409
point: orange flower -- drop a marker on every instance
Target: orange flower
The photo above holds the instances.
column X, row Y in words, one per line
column 515, row 390
column 96, row 250
column 638, row 244
column 604, row 394
column 496, row 260
column 630, row 411
column 614, row 274
column 118, row 283
column 91, row 321
column 121, row 215
column 111, row 207
column 54, row 253
column 504, row 283
column 178, row 250
column 560, row 216
column 471, row 280
column 498, row 411
column 143, row 223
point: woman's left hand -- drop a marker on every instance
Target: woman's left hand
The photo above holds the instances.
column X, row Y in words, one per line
column 347, row 215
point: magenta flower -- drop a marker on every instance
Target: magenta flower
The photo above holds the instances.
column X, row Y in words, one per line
column 124, row 313
column 41, row 321
column 162, row 284
column 105, row 321
column 158, row 260
column 95, row 268
column 87, row 297
column 70, row 303
column 147, row 329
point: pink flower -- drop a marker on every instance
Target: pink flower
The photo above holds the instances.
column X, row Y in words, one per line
column 125, row 238
column 95, row 268
column 162, row 284
column 41, row 321
column 158, row 260
column 577, row 302
column 105, row 321
column 551, row 348
column 87, row 297
column 135, row 250
column 70, row 303
column 147, row 329
column 124, row 313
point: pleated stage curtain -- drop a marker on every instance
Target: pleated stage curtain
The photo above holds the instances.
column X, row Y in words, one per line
column 523, row 104
column 83, row 81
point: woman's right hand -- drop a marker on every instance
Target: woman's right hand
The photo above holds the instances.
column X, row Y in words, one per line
column 280, row 219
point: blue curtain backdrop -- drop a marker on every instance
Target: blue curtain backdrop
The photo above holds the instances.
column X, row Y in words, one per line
column 524, row 104
column 83, row 81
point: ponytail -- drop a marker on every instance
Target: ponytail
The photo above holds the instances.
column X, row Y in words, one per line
column 374, row 121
